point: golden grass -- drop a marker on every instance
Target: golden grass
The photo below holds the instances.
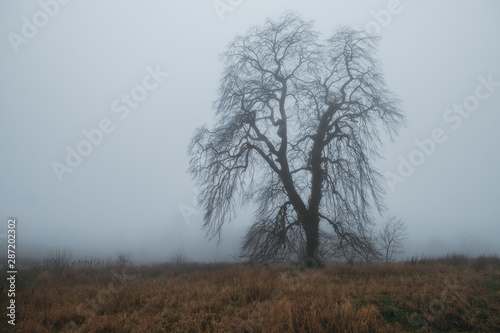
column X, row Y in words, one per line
column 243, row 298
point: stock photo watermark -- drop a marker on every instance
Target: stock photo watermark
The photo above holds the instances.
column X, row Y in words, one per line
column 453, row 117
column 292, row 278
column 221, row 7
column 383, row 17
column 31, row 26
column 97, row 305
column 435, row 307
column 122, row 107
column 188, row 211
column 11, row 270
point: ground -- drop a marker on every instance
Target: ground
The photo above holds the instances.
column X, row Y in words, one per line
column 452, row 294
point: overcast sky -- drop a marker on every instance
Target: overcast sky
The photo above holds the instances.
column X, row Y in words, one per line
column 145, row 74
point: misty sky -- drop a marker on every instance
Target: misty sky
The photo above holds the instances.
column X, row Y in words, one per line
column 145, row 74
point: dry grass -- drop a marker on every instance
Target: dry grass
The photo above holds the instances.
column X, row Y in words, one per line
column 437, row 296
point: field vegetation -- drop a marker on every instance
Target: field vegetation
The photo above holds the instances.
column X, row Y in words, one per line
column 454, row 293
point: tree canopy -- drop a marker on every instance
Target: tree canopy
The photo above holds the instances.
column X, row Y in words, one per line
column 298, row 126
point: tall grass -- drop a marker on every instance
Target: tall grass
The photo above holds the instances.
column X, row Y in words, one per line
column 457, row 259
column 450, row 293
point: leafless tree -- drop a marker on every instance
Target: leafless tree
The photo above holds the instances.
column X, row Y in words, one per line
column 391, row 237
column 58, row 260
column 298, row 122
column 123, row 259
column 179, row 257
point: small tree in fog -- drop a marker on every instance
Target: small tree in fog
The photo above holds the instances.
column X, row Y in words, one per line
column 297, row 125
column 58, row 260
column 391, row 237
column 178, row 257
column 123, row 259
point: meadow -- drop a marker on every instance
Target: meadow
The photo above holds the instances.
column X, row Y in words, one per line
column 454, row 293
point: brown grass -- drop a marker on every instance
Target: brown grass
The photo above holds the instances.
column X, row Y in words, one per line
column 432, row 297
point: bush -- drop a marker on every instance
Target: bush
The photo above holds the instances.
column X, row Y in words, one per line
column 483, row 261
column 178, row 258
column 123, row 259
column 58, row 260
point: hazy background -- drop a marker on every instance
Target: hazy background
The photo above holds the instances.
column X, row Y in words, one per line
column 132, row 193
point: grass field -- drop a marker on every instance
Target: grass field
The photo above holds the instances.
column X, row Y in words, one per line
column 450, row 294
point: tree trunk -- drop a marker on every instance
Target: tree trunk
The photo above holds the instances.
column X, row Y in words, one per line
column 311, row 229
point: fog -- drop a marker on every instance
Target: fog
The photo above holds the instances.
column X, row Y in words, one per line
column 70, row 67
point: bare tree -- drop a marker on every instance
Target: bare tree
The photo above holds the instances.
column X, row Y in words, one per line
column 123, row 259
column 391, row 237
column 298, row 123
column 178, row 257
column 58, row 260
